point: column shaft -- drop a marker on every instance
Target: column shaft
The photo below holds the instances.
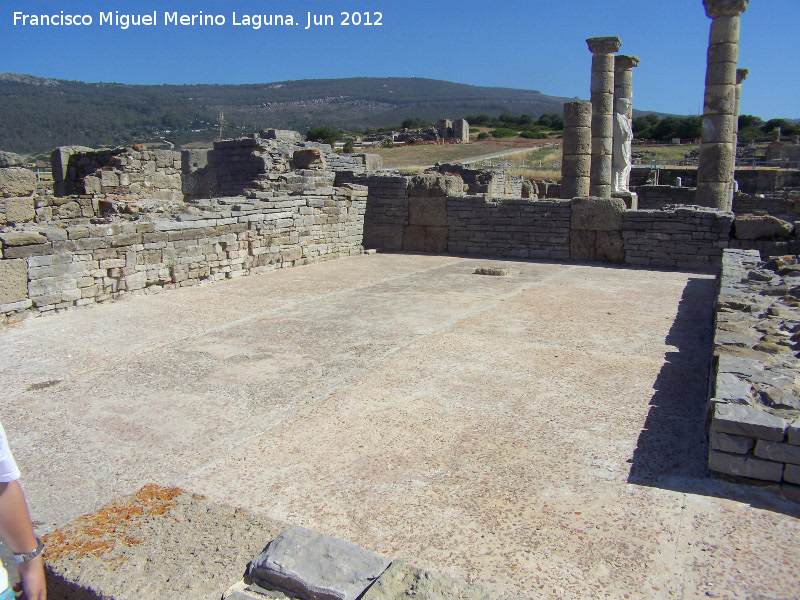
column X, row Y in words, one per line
column 623, row 121
column 576, row 149
column 716, row 161
column 603, row 49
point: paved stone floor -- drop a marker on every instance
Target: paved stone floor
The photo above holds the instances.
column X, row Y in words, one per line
column 540, row 434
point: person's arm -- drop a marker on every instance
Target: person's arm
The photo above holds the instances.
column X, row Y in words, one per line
column 17, row 529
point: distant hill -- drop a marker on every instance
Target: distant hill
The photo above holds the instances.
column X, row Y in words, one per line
column 40, row 114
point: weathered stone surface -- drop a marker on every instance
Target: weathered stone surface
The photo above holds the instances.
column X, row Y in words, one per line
column 21, row 238
column 597, row 214
column 316, row 566
column 9, row 159
column 402, row 581
column 432, row 185
column 427, row 211
column 16, row 181
column 751, row 227
column 731, row 443
column 744, row 466
column 793, row 433
column 791, row 473
column 732, row 389
column 13, row 281
column 747, row 421
column 311, row 158
column 784, row 453
column 20, row 210
column 739, row 366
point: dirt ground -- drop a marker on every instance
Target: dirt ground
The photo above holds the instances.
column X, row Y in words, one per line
column 539, row 434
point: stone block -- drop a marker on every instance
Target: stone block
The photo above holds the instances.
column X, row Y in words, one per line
column 785, row 453
column 791, row 473
column 597, row 214
column 431, row 212
column 730, row 388
column 372, row 162
column 736, row 444
column 793, row 432
column 751, row 227
column 744, row 466
column 316, row 566
column 9, row 159
column 16, row 182
column 436, row 239
column 21, row 238
column 742, row 420
column 432, row 185
column 311, row 158
column 13, row 281
column 414, row 238
column 402, row 581
column 20, row 210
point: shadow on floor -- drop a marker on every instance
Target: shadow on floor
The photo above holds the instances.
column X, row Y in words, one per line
column 672, row 450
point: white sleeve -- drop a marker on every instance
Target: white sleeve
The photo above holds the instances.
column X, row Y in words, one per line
column 8, row 468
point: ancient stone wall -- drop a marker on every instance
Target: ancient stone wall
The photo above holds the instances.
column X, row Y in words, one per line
column 50, row 268
column 656, row 197
column 778, row 205
column 686, row 238
column 754, row 400
column 509, row 227
column 118, row 172
column 751, row 181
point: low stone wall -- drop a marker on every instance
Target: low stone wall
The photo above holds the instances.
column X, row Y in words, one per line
column 656, row 197
column 754, row 403
column 47, row 269
column 687, row 238
column 778, row 205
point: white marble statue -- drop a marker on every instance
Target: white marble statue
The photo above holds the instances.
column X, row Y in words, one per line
column 623, row 135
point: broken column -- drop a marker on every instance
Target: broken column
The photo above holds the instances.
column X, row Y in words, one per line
column 741, row 75
column 602, row 49
column 715, row 165
column 623, row 127
column 576, row 148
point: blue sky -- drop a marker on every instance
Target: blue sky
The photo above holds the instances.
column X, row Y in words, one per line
column 528, row 44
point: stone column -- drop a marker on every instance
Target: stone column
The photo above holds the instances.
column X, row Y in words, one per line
column 715, row 165
column 741, row 75
column 602, row 49
column 576, row 149
column 623, row 119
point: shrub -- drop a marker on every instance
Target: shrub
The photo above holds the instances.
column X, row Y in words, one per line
column 326, row 135
column 388, row 143
column 533, row 135
column 502, row 132
column 483, row 135
column 349, row 147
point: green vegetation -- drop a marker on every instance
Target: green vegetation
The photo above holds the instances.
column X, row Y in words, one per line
column 40, row 114
column 519, row 123
column 483, row 135
column 324, row 134
column 503, row 132
column 753, row 128
column 349, row 147
column 650, row 127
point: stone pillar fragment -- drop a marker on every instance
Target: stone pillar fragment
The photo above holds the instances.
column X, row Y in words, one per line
column 602, row 49
column 576, row 149
column 741, row 75
column 716, row 162
column 623, row 121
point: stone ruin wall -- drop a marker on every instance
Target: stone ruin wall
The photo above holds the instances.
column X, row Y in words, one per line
column 47, row 269
column 753, row 408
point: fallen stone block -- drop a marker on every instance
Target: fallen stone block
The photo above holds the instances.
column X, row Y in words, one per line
column 744, row 466
column 402, row 581
column 752, row 227
column 316, row 566
column 9, row 159
column 784, row 453
column 742, row 420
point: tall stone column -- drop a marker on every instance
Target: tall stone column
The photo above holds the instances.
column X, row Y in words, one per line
column 602, row 49
column 715, row 165
column 623, row 121
column 576, row 149
column 741, row 75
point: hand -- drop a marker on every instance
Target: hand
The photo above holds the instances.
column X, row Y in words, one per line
column 32, row 575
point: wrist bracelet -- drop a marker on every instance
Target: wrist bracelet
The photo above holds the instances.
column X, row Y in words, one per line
column 23, row 557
